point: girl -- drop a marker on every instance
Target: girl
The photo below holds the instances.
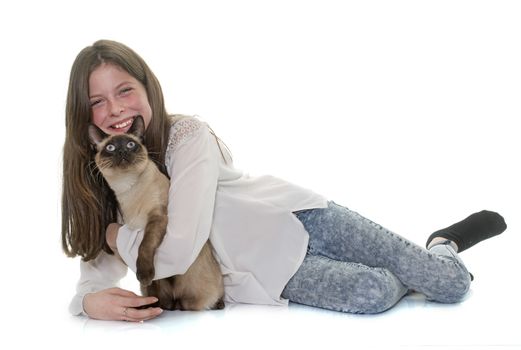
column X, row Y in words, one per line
column 274, row 241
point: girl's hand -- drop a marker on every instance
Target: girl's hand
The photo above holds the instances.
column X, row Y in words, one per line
column 117, row 304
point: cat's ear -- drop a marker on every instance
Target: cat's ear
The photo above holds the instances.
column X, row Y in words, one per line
column 138, row 127
column 96, row 135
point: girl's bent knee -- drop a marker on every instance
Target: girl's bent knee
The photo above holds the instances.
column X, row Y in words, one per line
column 454, row 288
column 344, row 286
column 459, row 291
column 378, row 291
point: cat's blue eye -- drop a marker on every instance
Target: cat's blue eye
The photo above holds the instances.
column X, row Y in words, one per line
column 131, row 144
column 110, row 147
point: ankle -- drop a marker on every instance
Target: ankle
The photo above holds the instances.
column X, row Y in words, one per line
column 442, row 240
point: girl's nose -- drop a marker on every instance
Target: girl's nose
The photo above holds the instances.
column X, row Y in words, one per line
column 116, row 109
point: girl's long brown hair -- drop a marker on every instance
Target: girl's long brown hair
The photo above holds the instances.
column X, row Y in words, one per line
column 88, row 204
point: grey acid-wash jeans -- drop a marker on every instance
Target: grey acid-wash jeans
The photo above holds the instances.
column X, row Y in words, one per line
column 354, row 265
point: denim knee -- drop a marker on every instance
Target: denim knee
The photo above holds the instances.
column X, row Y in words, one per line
column 379, row 291
column 453, row 278
column 343, row 286
column 457, row 284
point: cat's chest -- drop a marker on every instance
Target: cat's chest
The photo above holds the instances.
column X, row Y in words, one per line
column 137, row 203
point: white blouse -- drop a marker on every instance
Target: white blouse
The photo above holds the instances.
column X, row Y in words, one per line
column 257, row 241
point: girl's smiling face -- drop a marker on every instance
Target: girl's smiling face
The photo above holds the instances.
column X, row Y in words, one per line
column 116, row 97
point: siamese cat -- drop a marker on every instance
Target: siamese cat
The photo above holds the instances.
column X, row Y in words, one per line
column 142, row 194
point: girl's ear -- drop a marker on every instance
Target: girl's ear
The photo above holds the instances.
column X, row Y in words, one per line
column 96, row 135
column 138, row 127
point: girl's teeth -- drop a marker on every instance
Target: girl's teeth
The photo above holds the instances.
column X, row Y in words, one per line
column 122, row 125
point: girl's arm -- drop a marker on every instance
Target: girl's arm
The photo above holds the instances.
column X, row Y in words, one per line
column 119, row 304
column 193, row 166
column 99, row 297
column 105, row 271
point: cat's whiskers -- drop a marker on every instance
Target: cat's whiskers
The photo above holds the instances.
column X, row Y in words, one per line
column 104, row 164
column 93, row 169
column 141, row 157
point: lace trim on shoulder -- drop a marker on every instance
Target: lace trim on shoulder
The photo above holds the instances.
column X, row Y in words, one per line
column 183, row 130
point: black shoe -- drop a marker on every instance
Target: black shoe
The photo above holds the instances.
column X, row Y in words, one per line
column 472, row 230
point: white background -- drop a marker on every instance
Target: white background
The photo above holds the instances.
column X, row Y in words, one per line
column 404, row 111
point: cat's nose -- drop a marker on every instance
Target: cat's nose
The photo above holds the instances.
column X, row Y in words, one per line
column 121, row 156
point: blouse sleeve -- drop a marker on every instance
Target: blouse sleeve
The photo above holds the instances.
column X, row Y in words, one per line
column 105, row 271
column 193, row 165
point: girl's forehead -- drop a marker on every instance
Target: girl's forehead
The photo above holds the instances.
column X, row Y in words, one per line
column 109, row 69
column 108, row 76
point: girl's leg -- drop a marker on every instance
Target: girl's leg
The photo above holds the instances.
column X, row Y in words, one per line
column 343, row 286
column 341, row 234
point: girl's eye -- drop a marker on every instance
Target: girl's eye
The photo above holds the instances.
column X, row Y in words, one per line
column 131, row 144
column 95, row 102
column 110, row 147
column 125, row 91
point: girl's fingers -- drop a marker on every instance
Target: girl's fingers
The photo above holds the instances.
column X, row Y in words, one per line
column 123, row 292
column 130, row 304
column 138, row 315
column 137, row 301
column 127, row 298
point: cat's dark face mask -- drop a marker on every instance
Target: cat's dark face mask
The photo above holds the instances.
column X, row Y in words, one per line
column 122, row 151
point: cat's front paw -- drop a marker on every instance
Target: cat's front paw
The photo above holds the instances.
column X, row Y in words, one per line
column 145, row 275
column 145, row 278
